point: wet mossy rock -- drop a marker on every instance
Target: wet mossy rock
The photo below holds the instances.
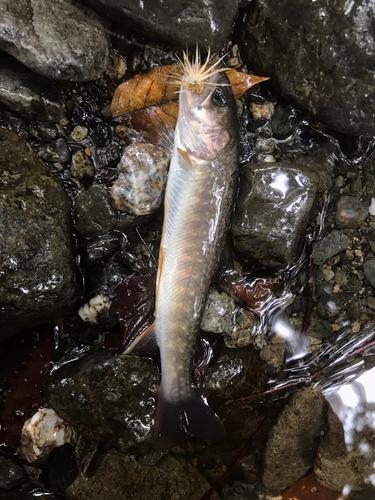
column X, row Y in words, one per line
column 184, row 23
column 37, row 271
column 319, row 54
column 60, row 40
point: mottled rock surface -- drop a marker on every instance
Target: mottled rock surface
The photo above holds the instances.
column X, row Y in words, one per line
column 107, row 397
column 11, row 474
column 334, row 243
column 336, row 464
column 37, row 271
column 29, row 94
column 274, row 206
column 322, row 59
column 60, row 40
column 93, row 214
column 218, row 315
column 115, row 476
column 351, row 212
column 140, row 184
column 293, row 441
column 183, row 23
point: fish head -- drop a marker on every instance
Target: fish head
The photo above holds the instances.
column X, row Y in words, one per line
column 207, row 121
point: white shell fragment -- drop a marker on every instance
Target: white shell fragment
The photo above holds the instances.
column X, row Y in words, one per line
column 89, row 312
column 140, row 184
column 41, row 434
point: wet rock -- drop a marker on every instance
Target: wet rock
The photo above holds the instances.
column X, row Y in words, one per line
column 274, row 206
column 81, row 166
column 29, row 94
column 11, row 474
column 93, row 214
column 142, row 177
column 334, row 243
column 210, row 23
column 273, row 354
column 79, row 133
column 293, row 441
column 43, row 131
column 318, row 328
column 218, row 313
column 243, row 332
column 284, row 120
column 330, row 305
column 289, row 49
column 107, row 397
column 102, row 157
column 101, row 248
column 351, row 212
column 41, row 433
column 369, row 269
column 336, row 466
column 237, row 491
column 56, row 151
column 62, row 41
column 122, row 477
column 103, row 278
column 37, row 272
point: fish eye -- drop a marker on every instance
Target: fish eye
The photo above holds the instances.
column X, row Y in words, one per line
column 221, row 96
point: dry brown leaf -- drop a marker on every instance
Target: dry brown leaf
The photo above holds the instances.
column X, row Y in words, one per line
column 241, row 81
column 153, row 88
column 157, row 87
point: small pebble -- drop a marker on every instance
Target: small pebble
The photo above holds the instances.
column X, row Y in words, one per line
column 351, row 212
column 371, row 208
column 81, row 166
column 261, row 111
column 218, row 313
column 79, row 133
column 56, row 151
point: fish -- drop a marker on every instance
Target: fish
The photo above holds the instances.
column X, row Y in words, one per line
column 198, row 204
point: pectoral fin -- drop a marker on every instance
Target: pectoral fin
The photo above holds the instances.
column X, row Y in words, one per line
column 184, row 159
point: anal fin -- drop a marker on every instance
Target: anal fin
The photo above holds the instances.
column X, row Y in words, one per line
column 145, row 345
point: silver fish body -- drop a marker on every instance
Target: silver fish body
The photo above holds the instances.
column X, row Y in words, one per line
column 198, row 205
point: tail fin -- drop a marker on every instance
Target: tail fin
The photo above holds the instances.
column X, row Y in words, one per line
column 175, row 420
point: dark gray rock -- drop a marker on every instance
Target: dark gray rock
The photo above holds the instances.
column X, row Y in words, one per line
column 351, row 212
column 29, row 94
column 208, row 23
column 369, row 269
column 329, row 246
column 37, row 272
column 93, row 214
column 60, row 40
column 107, row 397
column 11, row 474
column 101, row 248
column 56, row 151
column 116, row 476
column 318, row 54
column 294, row 439
column 43, row 131
column 274, row 207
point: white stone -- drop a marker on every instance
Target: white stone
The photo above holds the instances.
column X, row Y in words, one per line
column 89, row 312
column 41, row 434
column 142, row 177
